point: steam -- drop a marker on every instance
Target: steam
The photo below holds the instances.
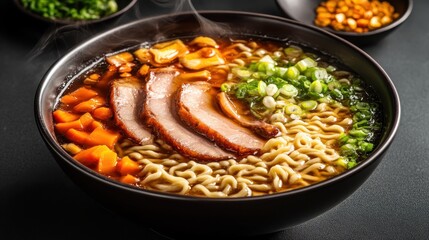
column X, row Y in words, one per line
column 54, row 37
column 206, row 26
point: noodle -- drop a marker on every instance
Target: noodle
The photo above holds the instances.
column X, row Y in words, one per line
column 295, row 159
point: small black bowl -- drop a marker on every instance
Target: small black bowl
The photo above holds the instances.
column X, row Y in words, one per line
column 123, row 6
column 205, row 217
column 305, row 11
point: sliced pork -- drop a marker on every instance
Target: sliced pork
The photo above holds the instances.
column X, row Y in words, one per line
column 263, row 129
column 126, row 99
column 196, row 106
column 159, row 115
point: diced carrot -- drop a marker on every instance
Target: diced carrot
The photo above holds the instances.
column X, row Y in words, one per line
column 129, row 179
column 90, row 104
column 144, row 70
column 102, row 136
column 64, row 127
column 128, row 166
column 95, row 124
column 107, row 163
column 91, row 156
column 102, row 113
column 61, row 116
column 78, row 95
column 86, row 119
column 77, row 136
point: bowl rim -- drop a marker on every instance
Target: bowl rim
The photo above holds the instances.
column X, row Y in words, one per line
column 386, row 28
column 65, row 157
column 74, row 22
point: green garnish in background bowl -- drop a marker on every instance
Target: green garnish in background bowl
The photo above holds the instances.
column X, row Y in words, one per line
column 72, row 9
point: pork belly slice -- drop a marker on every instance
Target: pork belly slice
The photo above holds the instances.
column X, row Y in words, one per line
column 261, row 128
column 196, row 107
column 126, row 99
column 159, row 115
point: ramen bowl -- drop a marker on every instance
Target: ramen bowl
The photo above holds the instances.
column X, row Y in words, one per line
column 187, row 215
column 305, row 12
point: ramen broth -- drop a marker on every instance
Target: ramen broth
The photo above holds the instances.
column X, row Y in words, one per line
column 208, row 117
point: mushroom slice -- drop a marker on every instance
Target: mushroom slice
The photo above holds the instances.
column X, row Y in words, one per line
column 203, row 75
column 168, row 51
column 204, row 42
column 205, row 57
column 120, row 59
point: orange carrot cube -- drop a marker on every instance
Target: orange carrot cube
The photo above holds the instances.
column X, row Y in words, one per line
column 129, row 179
column 91, row 156
column 78, row 95
column 102, row 136
column 61, row 116
column 77, row 136
column 128, row 166
column 65, row 126
column 102, row 113
column 107, row 163
column 90, row 104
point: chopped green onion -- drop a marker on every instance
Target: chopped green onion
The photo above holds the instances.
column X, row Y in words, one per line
column 351, row 164
column 267, row 59
column 288, row 90
column 305, row 63
column 309, row 105
column 366, row 146
column 293, row 51
column 280, row 71
column 292, row 72
column 225, row 87
column 343, row 138
column 243, row 74
column 326, row 99
column 334, row 85
column 278, row 117
column 271, row 89
column 358, row 133
column 337, row 94
column 262, row 88
column 331, row 68
column 293, row 109
column 269, row 102
column 316, row 87
column 319, row 74
column 348, row 149
column 342, row 162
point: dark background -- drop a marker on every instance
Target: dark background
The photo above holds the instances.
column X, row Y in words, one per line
column 38, row 201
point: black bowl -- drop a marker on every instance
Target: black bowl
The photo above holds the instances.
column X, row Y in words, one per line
column 123, row 6
column 305, row 11
column 229, row 216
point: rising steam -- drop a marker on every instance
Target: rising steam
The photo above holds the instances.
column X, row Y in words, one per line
column 54, row 38
column 207, row 26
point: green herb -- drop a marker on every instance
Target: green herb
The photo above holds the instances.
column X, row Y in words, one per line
column 72, row 9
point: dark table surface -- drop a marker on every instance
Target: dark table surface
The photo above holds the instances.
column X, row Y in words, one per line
column 38, row 201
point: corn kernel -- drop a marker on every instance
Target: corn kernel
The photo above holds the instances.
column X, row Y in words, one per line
column 355, row 15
